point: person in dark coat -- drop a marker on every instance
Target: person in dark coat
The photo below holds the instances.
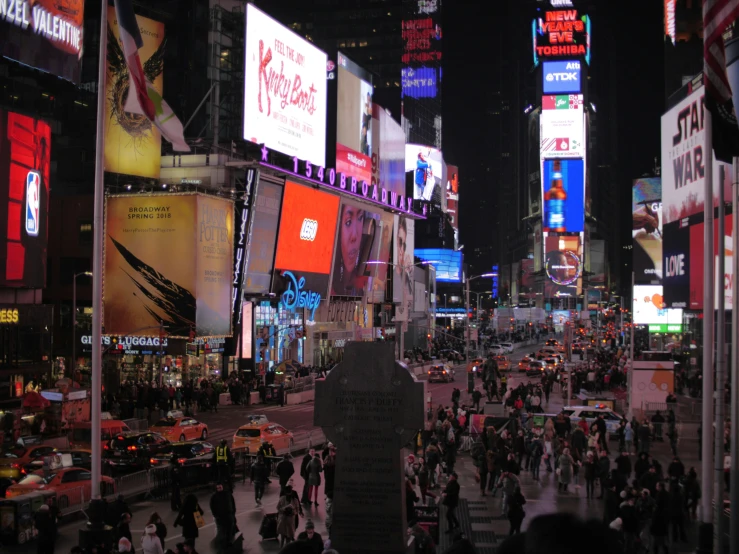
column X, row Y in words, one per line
column 223, row 508
column 590, row 472
column 115, row 510
column 623, row 465
column 259, row 477
column 677, row 513
column 516, row 512
column 123, row 529
column 641, row 466
column 313, row 539
column 451, row 501
column 660, row 518
column 186, row 518
column 676, row 469
column 304, row 474
column 410, row 500
column 47, row 532
column 284, row 471
column 611, row 507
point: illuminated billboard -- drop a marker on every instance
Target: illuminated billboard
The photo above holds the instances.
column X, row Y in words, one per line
column 561, row 34
column 284, row 90
column 563, row 194
column 420, row 82
column 562, row 126
column 448, row 263
column 388, row 152
column 561, row 77
column 305, row 242
column 265, row 219
column 132, row 142
column 646, row 229
column 354, row 120
column 45, row 34
column 403, row 252
column 363, row 236
column 650, row 307
column 427, row 166
column 168, row 258
column 563, row 266
column 25, row 154
column 669, row 17
column 452, row 197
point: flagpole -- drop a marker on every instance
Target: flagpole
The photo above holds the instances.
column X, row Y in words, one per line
column 708, row 314
column 97, row 258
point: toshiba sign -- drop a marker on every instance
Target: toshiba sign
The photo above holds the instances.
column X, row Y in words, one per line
column 561, row 77
column 561, row 34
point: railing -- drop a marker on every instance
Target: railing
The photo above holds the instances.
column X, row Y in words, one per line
column 71, row 501
column 137, row 424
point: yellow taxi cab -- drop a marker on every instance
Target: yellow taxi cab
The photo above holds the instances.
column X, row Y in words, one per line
column 177, row 427
column 13, row 461
column 504, row 364
column 523, row 365
column 251, row 436
column 475, row 365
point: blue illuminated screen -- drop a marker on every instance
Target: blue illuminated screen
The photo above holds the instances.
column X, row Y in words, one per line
column 448, row 263
column 560, row 77
column 419, row 82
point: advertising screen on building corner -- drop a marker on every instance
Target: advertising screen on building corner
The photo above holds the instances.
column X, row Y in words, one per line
column 25, row 154
column 354, row 137
column 563, row 195
column 45, row 34
column 168, row 257
column 562, row 126
column 563, row 266
column 305, row 243
column 284, row 90
column 646, row 209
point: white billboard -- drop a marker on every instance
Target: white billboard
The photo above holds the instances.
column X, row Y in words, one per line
column 284, row 90
column 649, row 307
column 562, row 126
column 429, row 173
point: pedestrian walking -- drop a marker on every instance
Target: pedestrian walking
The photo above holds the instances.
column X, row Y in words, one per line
column 305, row 499
column 150, row 543
column 46, row 528
column 516, row 512
column 259, row 477
column 287, row 509
column 451, row 501
column 191, row 514
column 161, row 529
column 315, row 467
column 590, row 472
column 314, row 540
column 284, row 471
column 565, row 469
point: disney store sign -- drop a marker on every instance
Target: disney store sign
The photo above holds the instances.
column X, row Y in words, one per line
column 376, row 194
column 295, row 297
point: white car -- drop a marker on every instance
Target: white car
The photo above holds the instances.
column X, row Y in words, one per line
column 590, row 413
column 496, row 350
column 508, row 346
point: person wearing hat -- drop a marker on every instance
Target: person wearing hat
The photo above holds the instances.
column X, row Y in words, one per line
column 311, row 537
column 150, row 543
column 46, row 527
column 124, row 545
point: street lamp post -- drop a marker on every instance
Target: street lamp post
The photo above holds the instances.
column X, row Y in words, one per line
column 467, row 312
column 73, row 365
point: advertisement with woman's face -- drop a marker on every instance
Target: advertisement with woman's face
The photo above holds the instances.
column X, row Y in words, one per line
column 403, row 266
column 359, row 239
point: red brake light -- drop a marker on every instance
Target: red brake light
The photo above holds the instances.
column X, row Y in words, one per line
column 131, row 448
column 152, row 461
column 181, row 460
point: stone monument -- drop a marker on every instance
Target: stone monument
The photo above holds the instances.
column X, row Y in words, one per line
column 370, row 407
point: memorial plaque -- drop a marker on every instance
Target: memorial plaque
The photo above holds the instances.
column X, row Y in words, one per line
column 369, row 406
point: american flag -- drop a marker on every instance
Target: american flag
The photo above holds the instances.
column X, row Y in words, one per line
column 717, row 16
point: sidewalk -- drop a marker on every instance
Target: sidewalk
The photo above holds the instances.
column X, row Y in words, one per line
column 248, row 517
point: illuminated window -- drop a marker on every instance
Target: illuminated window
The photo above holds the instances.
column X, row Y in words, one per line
column 85, row 235
column 362, row 43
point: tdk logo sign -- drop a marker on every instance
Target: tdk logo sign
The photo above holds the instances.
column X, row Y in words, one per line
column 33, row 203
column 309, row 229
column 559, row 77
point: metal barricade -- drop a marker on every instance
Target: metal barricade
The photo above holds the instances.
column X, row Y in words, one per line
column 71, row 501
column 133, row 483
column 160, row 482
column 137, row 424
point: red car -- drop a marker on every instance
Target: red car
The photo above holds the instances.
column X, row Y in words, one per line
column 73, row 485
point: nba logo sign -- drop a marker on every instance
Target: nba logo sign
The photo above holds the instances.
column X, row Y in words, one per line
column 33, row 186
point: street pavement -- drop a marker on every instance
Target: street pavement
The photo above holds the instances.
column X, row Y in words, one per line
column 481, row 516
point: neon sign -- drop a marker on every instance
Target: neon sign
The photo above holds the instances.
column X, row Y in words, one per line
column 346, row 183
column 294, row 297
column 562, row 33
column 240, row 251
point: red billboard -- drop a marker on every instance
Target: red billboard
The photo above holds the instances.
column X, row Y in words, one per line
column 25, row 153
column 305, row 243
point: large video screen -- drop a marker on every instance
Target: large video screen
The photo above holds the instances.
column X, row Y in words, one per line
column 45, row 34
column 448, row 263
column 564, row 191
column 563, row 265
column 305, row 243
column 25, row 154
column 561, row 77
column 388, row 152
column 265, row 219
column 354, row 120
column 646, row 230
column 562, row 126
column 649, row 307
column 404, row 234
column 427, row 165
column 363, row 236
column 284, row 90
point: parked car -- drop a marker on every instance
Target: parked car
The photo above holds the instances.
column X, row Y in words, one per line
column 135, row 450
column 14, row 460
column 496, row 350
column 508, row 346
column 80, row 458
column 440, row 373
column 180, row 429
column 590, row 413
